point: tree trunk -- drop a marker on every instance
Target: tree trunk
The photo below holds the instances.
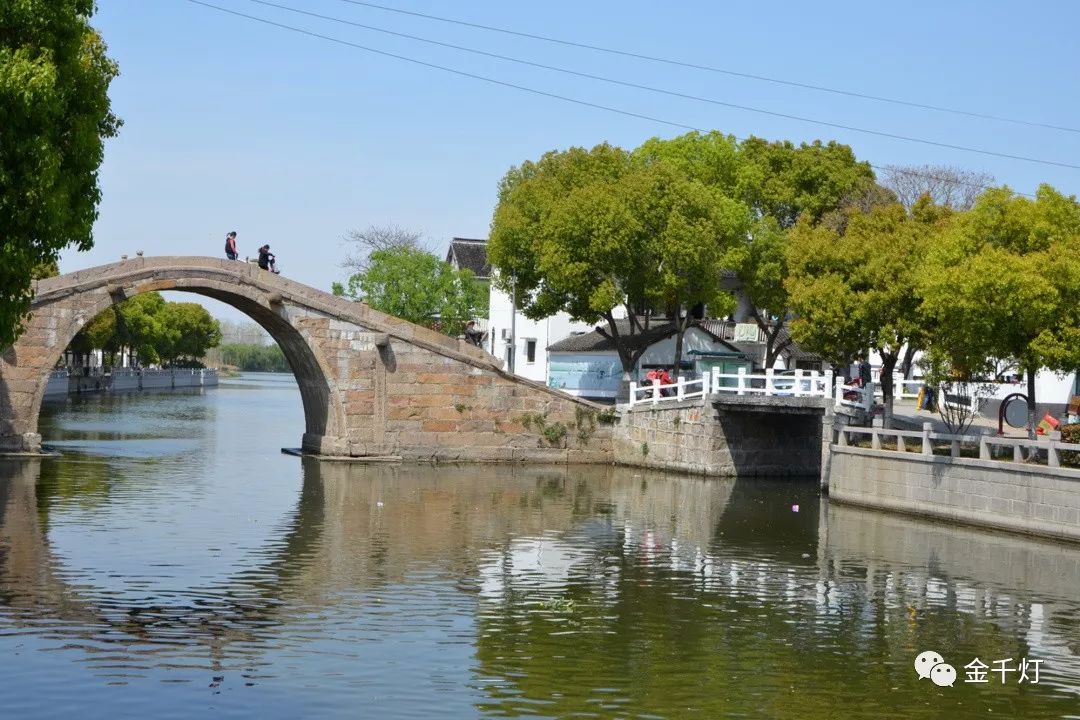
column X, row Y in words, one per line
column 1031, row 402
column 680, row 330
column 888, row 364
column 905, row 365
column 772, row 333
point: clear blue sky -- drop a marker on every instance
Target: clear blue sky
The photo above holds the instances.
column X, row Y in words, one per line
column 291, row 140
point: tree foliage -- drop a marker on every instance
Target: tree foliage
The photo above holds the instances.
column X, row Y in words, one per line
column 187, row 331
column 576, row 234
column 857, row 289
column 255, row 358
column 1005, row 283
column 588, row 232
column 55, row 116
column 783, row 184
column 156, row 330
column 414, row 285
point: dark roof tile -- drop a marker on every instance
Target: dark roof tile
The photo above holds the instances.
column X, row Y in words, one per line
column 595, row 342
column 470, row 254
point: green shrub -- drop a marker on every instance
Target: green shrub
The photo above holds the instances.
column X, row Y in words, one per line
column 607, row 417
column 1070, row 434
column 554, row 433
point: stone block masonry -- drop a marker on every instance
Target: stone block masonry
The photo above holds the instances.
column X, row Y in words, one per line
column 760, row 436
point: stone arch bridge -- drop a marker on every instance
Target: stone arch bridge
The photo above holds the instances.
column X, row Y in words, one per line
column 371, row 384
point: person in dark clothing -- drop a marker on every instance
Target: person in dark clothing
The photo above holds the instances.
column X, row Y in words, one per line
column 267, row 260
column 230, row 246
column 864, row 372
column 473, row 334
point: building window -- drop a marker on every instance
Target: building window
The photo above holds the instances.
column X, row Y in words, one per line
column 530, row 351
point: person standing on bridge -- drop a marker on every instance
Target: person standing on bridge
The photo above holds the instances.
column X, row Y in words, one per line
column 230, row 246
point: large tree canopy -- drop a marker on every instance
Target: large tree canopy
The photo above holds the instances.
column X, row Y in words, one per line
column 1005, row 283
column 857, row 289
column 54, row 118
column 785, row 184
column 590, row 232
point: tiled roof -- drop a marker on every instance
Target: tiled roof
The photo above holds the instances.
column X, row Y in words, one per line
column 726, row 330
column 595, row 342
column 469, row 254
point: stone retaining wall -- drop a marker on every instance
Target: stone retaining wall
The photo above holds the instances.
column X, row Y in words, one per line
column 1031, row 499
column 714, row 438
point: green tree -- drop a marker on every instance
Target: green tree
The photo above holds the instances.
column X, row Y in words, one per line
column 857, row 289
column 784, row 184
column 696, row 221
column 415, row 285
column 566, row 237
column 187, row 330
column 1005, row 283
column 689, row 229
column 140, row 326
column 55, row 116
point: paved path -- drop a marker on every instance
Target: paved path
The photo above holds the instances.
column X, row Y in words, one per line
column 906, row 415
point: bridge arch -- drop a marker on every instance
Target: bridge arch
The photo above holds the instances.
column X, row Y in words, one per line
column 372, row 384
column 64, row 305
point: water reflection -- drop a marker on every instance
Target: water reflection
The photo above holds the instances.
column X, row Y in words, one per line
column 242, row 582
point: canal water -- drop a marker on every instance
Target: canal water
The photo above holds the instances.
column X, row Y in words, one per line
column 173, row 563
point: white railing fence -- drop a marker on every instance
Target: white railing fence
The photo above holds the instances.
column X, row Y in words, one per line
column 903, row 389
column 922, row 443
column 680, row 390
column 798, row 383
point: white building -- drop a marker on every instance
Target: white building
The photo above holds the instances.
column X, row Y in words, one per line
column 530, row 360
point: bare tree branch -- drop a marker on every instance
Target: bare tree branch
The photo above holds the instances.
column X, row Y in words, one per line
column 949, row 186
column 379, row 237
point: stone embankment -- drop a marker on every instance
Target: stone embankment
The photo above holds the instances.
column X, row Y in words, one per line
column 63, row 382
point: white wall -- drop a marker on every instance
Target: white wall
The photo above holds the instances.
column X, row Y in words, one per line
column 544, row 332
column 1049, row 387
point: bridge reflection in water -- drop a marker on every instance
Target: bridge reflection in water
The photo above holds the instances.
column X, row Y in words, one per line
column 510, row 590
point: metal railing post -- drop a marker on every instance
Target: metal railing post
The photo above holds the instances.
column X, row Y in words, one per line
column 655, row 391
column 742, row 381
